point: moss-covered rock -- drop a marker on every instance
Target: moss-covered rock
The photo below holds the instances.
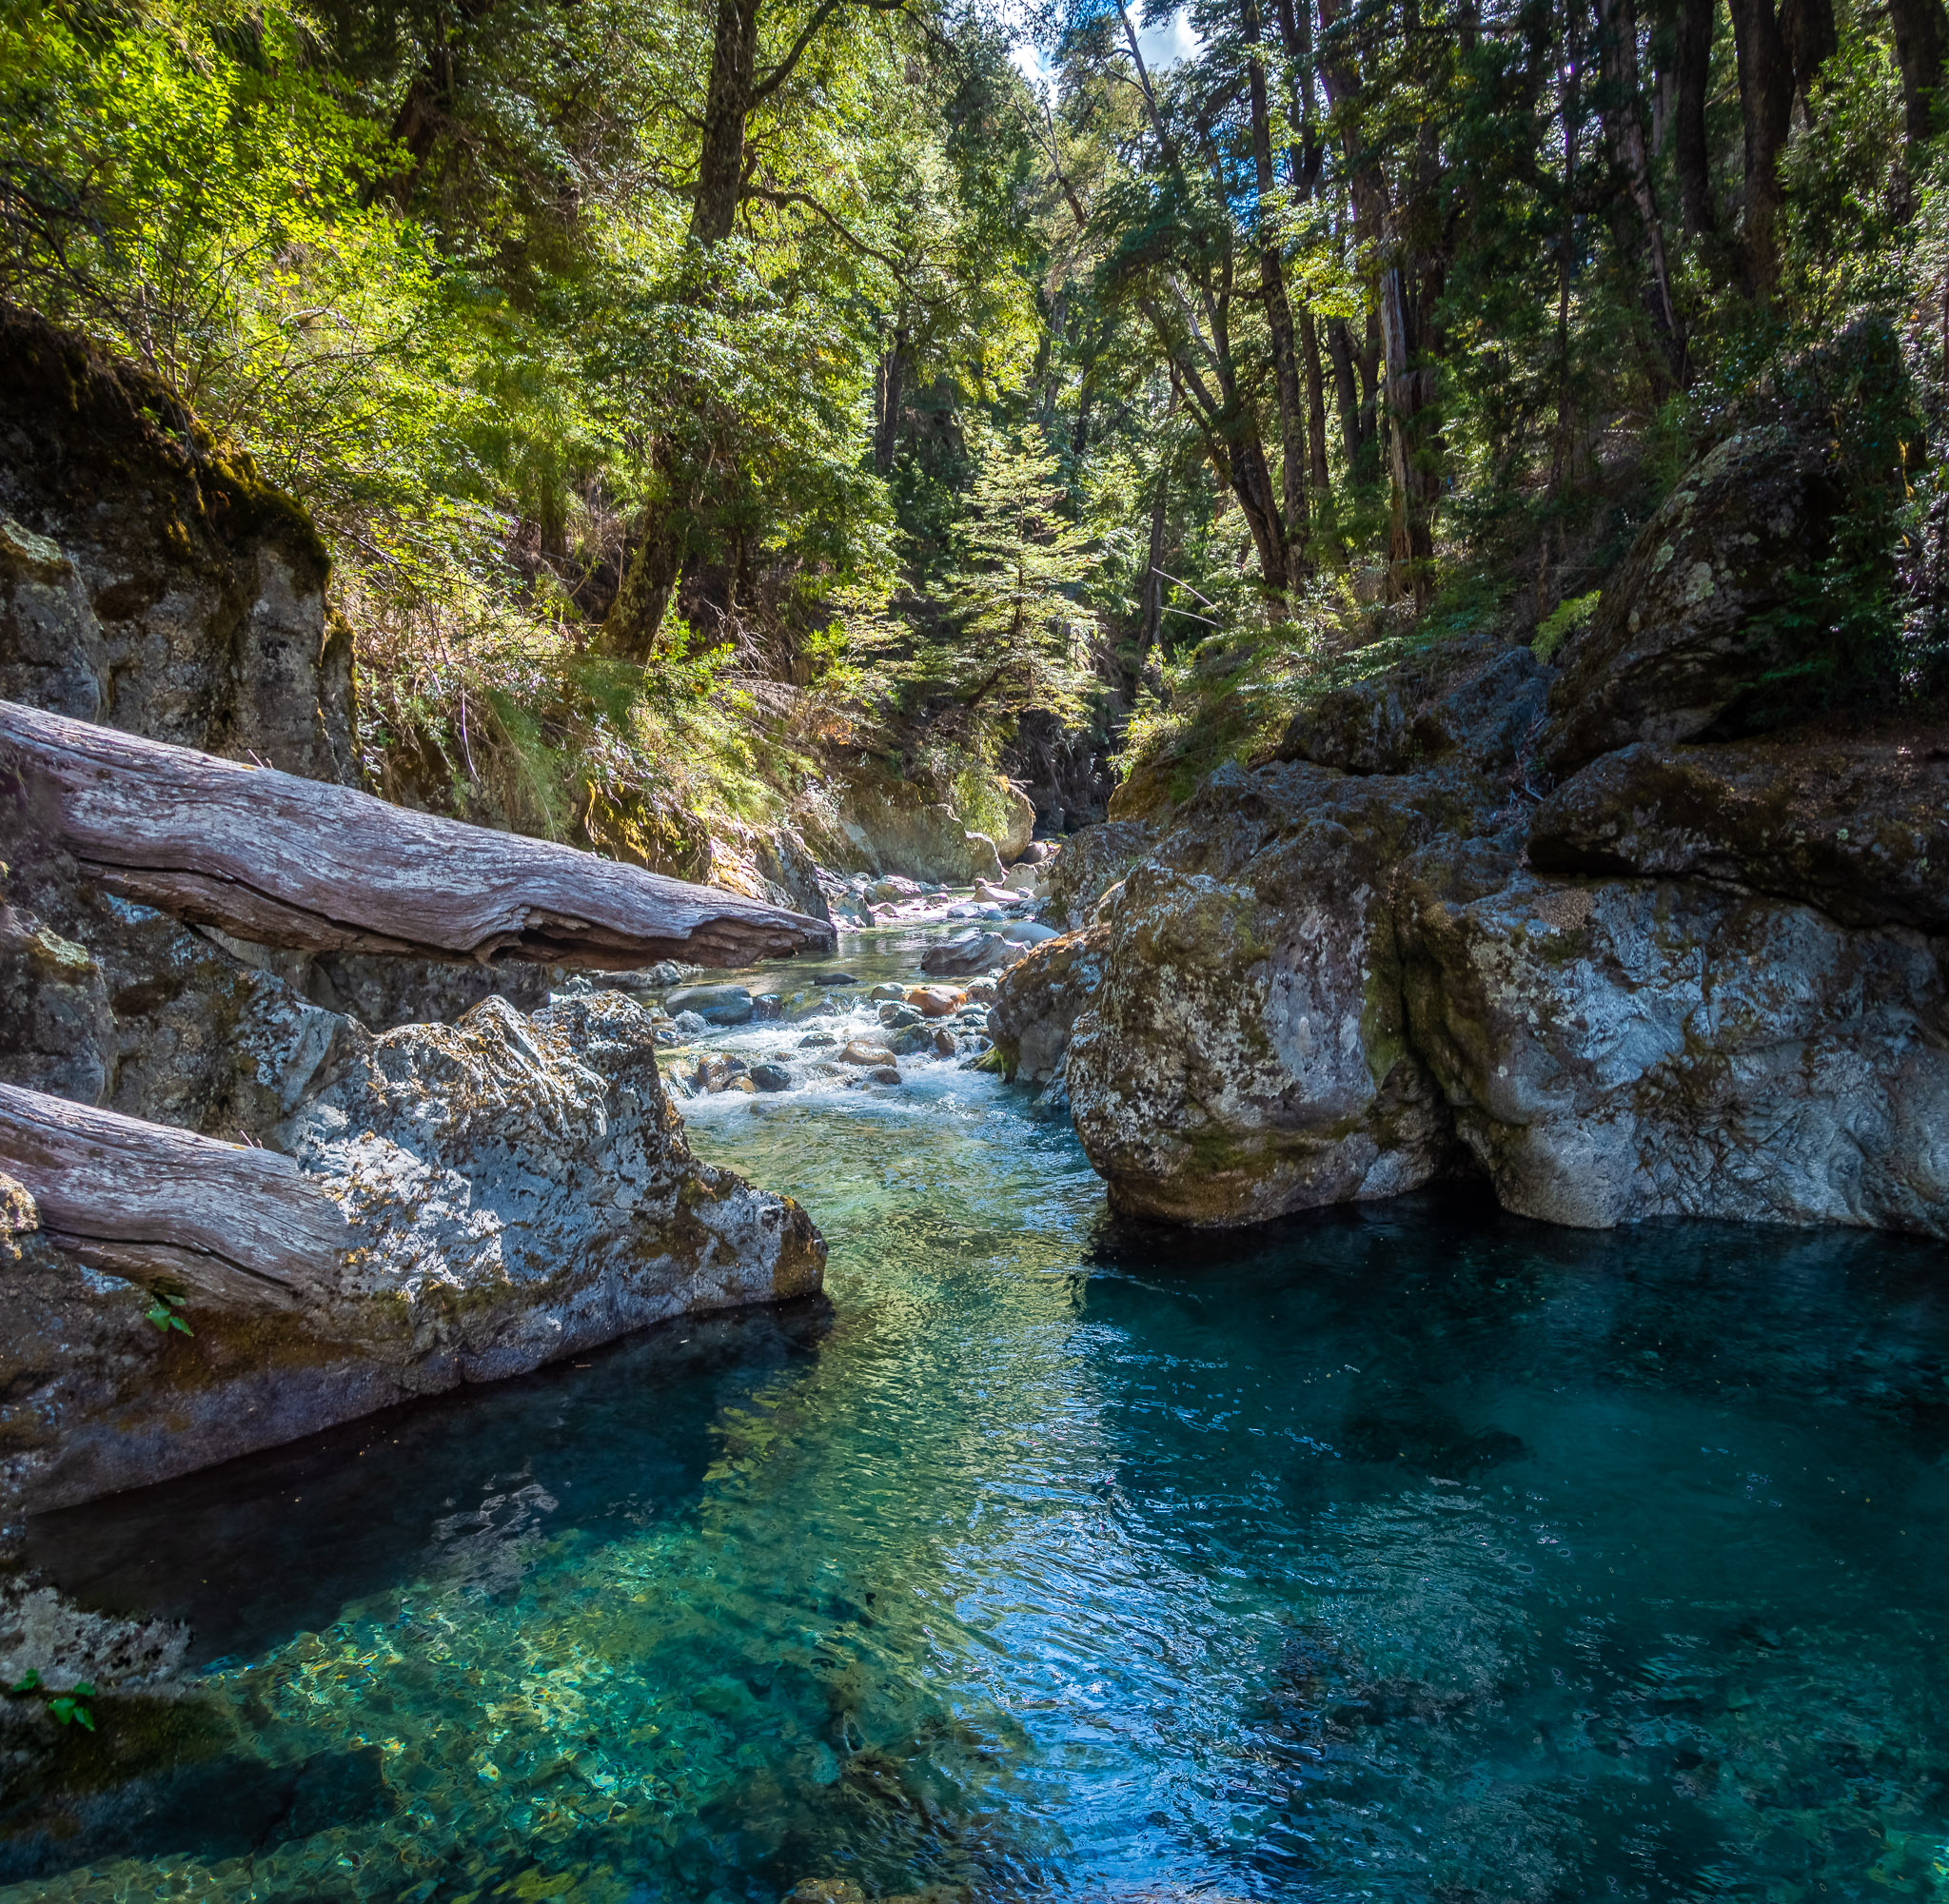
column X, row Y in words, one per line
column 148, row 577
column 1038, row 998
column 1859, row 828
column 1245, row 1054
column 1763, row 584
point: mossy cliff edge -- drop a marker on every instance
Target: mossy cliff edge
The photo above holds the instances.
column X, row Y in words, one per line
column 515, row 1187
column 1614, row 931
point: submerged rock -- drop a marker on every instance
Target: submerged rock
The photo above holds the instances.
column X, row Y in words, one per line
column 715, row 1004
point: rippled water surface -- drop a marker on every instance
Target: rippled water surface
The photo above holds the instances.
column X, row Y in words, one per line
column 1414, row 1552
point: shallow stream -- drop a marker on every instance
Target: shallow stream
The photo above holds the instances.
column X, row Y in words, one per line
column 1411, row 1552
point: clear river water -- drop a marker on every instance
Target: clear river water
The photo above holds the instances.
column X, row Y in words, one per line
column 1408, row 1552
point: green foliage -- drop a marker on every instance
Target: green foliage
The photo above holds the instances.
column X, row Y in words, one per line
column 976, row 415
column 70, row 1708
column 1838, row 631
column 162, row 1313
column 1563, row 621
column 1018, row 630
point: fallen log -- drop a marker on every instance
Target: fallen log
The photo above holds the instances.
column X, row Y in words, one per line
column 314, row 867
column 148, row 1203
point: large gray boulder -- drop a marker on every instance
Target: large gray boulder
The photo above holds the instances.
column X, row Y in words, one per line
column 1245, row 1054
column 1089, row 863
column 1693, row 981
column 1683, row 630
column 1622, row 1049
column 513, row 1190
column 1038, row 999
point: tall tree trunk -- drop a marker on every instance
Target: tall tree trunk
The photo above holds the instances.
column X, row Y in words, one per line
column 1305, row 158
column 1346, row 391
column 1292, row 452
column 1151, row 622
column 1617, row 35
column 728, row 102
column 1921, row 44
column 649, row 578
column 1812, row 39
column 1409, row 400
column 1371, row 379
column 1316, row 401
column 892, row 390
column 1766, row 88
column 1691, row 156
column 1251, row 482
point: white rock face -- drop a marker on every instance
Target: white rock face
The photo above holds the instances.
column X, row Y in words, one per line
column 1625, row 1049
column 524, row 1185
column 515, row 1190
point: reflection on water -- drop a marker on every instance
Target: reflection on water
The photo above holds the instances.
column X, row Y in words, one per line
column 1405, row 1553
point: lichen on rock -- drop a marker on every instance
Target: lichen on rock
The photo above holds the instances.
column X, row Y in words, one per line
column 514, row 1190
column 1244, row 1055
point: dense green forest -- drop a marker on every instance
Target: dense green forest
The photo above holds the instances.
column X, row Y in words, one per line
column 694, row 392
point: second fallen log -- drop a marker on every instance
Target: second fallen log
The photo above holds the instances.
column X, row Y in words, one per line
column 313, row 867
column 146, row 1201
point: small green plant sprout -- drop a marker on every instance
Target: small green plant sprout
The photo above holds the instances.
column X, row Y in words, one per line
column 162, row 1312
column 73, row 1708
column 70, row 1708
column 1562, row 622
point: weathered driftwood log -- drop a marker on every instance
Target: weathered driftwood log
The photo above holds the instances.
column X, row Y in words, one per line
column 314, row 867
column 148, row 1202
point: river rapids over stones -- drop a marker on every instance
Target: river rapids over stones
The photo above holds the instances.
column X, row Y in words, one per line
column 1409, row 1551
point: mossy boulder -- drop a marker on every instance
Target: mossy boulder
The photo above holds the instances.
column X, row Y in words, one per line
column 1038, row 998
column 1859, row 828
column 1762, row 585
column 1245, row 1054
column 1090, row 862
column 149, row 578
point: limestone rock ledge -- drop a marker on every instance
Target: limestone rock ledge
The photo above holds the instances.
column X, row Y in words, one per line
column 1630, row 937
column 1694, row 981
column 514, row 1190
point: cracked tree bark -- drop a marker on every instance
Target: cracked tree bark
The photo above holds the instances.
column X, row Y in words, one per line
column 313, row 867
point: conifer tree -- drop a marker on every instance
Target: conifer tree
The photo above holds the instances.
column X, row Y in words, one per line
column 1020, row 635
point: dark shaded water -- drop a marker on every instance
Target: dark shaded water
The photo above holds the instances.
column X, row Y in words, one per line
column 1407, row 1553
